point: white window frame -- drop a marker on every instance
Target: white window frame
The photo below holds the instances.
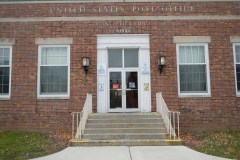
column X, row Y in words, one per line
column 235, row 69
column 206, row 94
column 7, row 97
column 53, row 96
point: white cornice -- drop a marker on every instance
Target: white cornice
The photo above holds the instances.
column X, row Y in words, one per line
column 105, row 1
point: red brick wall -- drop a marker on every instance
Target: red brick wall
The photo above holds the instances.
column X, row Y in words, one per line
column 25, row 112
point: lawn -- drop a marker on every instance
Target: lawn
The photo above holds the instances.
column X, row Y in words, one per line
column 26, row 145
column 222, row 143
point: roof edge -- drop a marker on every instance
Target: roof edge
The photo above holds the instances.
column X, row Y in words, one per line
column 103, row 1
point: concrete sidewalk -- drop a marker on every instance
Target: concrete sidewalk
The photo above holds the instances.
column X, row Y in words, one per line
column 129, row 153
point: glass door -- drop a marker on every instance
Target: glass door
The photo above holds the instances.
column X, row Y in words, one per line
column 123, row 91
column 115, row 90
column 131, row 80
column 123, row 80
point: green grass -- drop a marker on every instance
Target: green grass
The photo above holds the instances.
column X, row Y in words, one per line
column 223, row 143
column 25, row 145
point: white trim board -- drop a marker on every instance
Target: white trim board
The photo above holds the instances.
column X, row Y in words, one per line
column 107, row 1
column 116, row 18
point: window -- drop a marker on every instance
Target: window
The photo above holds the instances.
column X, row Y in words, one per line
column 54, row 71
column 193, row 70
column 5, row 71
column 117, row 58
column 114, row 58
column 236, row 51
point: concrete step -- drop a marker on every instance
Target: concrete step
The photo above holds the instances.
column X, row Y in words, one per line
column 126, row 120
column 124, row 130
column 125, row 125
column 117, row 136
column 125, row 142
column 123, row 115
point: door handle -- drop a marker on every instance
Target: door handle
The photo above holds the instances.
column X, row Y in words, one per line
column 123, row 92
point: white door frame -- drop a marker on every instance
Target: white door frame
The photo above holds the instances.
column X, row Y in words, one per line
column 123, row 41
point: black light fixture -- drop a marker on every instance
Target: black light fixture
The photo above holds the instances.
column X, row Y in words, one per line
column 161, row 63
column 85, row 64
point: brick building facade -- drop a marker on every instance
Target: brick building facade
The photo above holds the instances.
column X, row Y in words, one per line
column 30, row 31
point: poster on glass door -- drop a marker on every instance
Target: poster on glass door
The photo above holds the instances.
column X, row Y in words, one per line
column 132, row 85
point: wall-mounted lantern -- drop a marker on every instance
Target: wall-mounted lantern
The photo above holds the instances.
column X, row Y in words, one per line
column 161, row 63
column 85, row 64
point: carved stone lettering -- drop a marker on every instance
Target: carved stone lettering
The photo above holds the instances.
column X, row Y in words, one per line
column 143, row 9
column 80, row 9
column 108, row 9
column 121, row 9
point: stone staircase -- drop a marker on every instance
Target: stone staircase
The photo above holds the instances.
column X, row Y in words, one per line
column 125, row 129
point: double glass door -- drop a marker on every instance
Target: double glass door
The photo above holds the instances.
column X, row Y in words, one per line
column 123, row 91
column 123, row 80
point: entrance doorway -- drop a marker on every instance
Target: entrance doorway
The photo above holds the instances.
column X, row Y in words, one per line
column 123, row 73
column 123, row 80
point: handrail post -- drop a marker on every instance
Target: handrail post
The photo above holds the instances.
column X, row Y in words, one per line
column 178, row 125
column 81, row 117
column 174, row 127
column 72, row 125
column 170, row 118
column 77, row 121
column 80, row 126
